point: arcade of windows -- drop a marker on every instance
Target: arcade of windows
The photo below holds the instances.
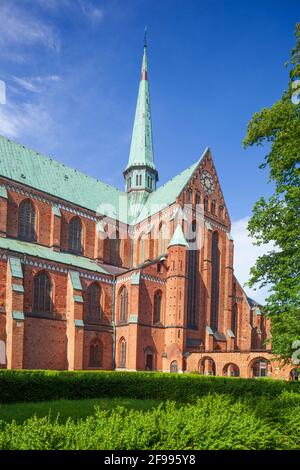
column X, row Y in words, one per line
column 42, row 297
column 139, row 181
column 27, row 231
column 123, row 306
column 197, row 201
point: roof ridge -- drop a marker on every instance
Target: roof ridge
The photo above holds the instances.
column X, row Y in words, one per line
column 47, row 157
column 187, row 168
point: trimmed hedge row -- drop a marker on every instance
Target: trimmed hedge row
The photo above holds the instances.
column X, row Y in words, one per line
column 20, row 386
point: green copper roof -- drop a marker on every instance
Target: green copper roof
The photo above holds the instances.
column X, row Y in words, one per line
column 3, row 192
column 56, row 210
column 141, row 150
column 25, row 166
column 16, row 267
column 46, row 253
column 18, row 315
column 75, row 279
column 167, row 194
column 17, row 288
column 135, row 278
column 178, row 238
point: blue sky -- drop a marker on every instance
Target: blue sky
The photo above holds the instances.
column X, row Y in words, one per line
column 71, row 69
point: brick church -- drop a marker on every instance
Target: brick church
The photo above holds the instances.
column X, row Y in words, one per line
column 96, row 278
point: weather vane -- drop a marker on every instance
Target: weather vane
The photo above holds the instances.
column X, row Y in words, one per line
column 145, row 37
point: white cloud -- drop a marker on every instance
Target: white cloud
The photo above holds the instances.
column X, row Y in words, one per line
column 17, row 121
column 20, row 28
column 245, row 255
column 92, row 12
column 2, row 92
column 35, row 84
column 53, row 4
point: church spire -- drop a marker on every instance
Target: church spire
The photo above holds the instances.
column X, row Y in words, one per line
column 140, row 173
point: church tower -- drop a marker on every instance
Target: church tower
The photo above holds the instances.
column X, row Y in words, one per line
column 140, row 174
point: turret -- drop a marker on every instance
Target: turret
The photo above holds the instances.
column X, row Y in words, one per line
column 176, row 300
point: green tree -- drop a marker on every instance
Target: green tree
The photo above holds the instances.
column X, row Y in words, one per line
column 277, row 219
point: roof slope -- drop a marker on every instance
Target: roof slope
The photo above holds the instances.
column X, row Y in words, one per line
column 178, row 238
column 46, row 253
column 25, row 166
column 21, row 164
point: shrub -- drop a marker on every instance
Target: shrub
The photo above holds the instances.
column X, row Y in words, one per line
column 213, row 422
column 51, row 385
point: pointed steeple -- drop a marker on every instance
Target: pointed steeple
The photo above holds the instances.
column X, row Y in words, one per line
column 140, row 173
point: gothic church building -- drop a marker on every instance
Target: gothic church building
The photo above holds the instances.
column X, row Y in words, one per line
column 96, row 278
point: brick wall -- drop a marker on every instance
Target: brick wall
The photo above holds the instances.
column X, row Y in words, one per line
column 63, row 338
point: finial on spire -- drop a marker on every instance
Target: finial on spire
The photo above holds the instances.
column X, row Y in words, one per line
column 145, row 36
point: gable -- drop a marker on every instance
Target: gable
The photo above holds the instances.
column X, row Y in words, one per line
column 167, row 194
column 205, row 167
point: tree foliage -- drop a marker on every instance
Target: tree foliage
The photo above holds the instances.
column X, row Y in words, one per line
column 277, row 219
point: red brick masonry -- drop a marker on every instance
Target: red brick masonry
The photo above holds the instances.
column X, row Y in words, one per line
column 64, row 337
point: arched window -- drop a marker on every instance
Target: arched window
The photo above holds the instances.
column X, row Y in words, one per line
column 213, row 207
column 42, row 293
column 174, row 367
column 162, row 239
column 207, row 366
column 294, row 374
column 189, row 195
column 93, row 301
column 27, row 220
column 215, row 274
column 122, row 353
column 129, row 183
column 221, row 210
column 206, row 203
column 75, row 235
column 198, row 198
column 115, row 243
column 157, row 307
column 234, row 320
column 260, row 368
column 123, row 304
column 149, row 359
column 231, row 370
column 193, row 287
column 95, row 359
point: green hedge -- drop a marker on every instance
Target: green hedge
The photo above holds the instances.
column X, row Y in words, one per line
column 213, row 422
column 27, row 385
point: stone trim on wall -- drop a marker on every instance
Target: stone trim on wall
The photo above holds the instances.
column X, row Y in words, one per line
column 52, row 267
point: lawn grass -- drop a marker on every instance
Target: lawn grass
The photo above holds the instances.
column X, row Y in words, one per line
column 76, row 409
